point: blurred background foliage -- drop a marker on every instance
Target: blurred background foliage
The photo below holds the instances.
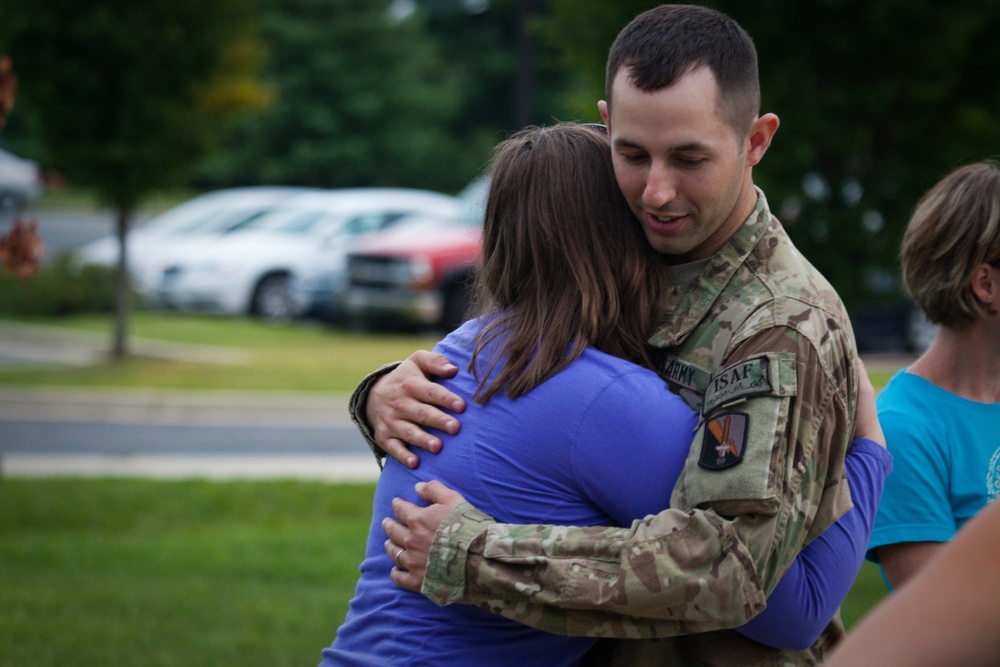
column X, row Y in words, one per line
column 877, row 100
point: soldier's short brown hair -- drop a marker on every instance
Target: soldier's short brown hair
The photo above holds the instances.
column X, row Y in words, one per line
column 663, row 44
column 954, row 229
column 564, row 263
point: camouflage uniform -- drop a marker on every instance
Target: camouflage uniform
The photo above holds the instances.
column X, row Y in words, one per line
column 761, row 345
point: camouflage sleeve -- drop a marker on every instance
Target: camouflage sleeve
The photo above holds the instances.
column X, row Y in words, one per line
column 356, row 406
column 705, row 565
column 800, row 438
column 675, row 573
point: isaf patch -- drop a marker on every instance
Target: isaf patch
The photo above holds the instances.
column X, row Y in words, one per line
column 725, row 441
column 750, row 377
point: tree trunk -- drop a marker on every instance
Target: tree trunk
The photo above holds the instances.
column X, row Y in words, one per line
column 524, row 76
column 123, row 290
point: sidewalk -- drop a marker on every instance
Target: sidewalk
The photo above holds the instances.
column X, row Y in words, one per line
column 33, row 345
column 25, row 346
column 28, row 345
column 155, row 407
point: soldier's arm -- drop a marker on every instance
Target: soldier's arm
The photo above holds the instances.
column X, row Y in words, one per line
column 798, row 430
column 798, row 609
column 647, row 580
column 393, row 404
column 704, row 568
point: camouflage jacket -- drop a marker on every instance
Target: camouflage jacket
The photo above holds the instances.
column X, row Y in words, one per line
column 761, row 345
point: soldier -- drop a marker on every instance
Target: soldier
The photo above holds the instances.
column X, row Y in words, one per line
column 556, row 342
column 753, row 337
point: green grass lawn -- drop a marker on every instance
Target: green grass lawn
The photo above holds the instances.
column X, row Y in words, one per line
column 279, row 357
column 138, row 572
column 188, row 574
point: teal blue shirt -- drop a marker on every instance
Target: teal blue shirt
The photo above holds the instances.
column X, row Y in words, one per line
column 946, row 461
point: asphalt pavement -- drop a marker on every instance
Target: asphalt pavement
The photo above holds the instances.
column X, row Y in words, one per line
column 251, row 435
column 176, row 434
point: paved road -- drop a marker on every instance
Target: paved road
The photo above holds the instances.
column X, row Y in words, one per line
column 179, row 434
column 51, row 431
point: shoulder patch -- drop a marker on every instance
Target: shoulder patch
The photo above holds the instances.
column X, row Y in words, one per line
column 750, row 377
column 725, row 441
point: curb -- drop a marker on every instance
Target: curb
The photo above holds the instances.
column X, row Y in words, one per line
column 149, row 406
column 215, row 468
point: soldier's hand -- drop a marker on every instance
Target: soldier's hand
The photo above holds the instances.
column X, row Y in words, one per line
column 405, row 401
column 412, row 533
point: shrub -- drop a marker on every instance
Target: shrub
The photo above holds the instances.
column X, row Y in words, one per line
column 60, row 288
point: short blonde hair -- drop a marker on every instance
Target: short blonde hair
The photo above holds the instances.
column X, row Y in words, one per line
column 954, row 229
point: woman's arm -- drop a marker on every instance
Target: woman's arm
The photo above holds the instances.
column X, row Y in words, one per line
column 947, row 614
column 808, row 595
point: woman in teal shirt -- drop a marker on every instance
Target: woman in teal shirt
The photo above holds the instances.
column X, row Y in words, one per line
column 941, row 415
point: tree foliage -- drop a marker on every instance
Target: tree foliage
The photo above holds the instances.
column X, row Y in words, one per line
column 359, row 101
column 878, row 100
column 128, row 97
column 370, row 96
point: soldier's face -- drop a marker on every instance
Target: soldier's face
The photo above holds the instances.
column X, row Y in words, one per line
column 682, row 167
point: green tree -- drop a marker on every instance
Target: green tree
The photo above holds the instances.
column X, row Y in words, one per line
column 878, row 100
column 361, row 100
column 511, row 78
column 404, row 93
column 129, row 97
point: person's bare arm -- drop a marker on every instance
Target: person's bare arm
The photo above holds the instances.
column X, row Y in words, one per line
column 405, row 401
column 900, row 561
column 946, row 615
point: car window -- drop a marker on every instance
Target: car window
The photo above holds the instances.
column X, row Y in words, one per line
column 293, row 221
column 370, row 222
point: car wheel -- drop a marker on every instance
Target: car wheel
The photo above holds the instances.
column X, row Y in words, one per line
column 272, row 299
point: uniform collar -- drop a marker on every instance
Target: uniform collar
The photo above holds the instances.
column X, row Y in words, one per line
column 695, row 287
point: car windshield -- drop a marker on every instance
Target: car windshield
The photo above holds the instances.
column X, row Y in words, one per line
column 289, row 221
column 199, row 215
column 370, row 222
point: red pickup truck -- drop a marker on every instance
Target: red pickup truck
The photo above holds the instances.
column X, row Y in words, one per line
column 415, row 275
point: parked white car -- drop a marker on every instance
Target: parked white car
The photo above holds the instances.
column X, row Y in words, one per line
column 248, row 269
column 20, row 182
column 319, row 288
column 207, row 214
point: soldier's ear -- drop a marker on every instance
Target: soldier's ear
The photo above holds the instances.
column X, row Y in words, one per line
column 759, row 137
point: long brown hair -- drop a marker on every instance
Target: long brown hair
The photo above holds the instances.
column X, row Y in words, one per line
column 564, row 263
